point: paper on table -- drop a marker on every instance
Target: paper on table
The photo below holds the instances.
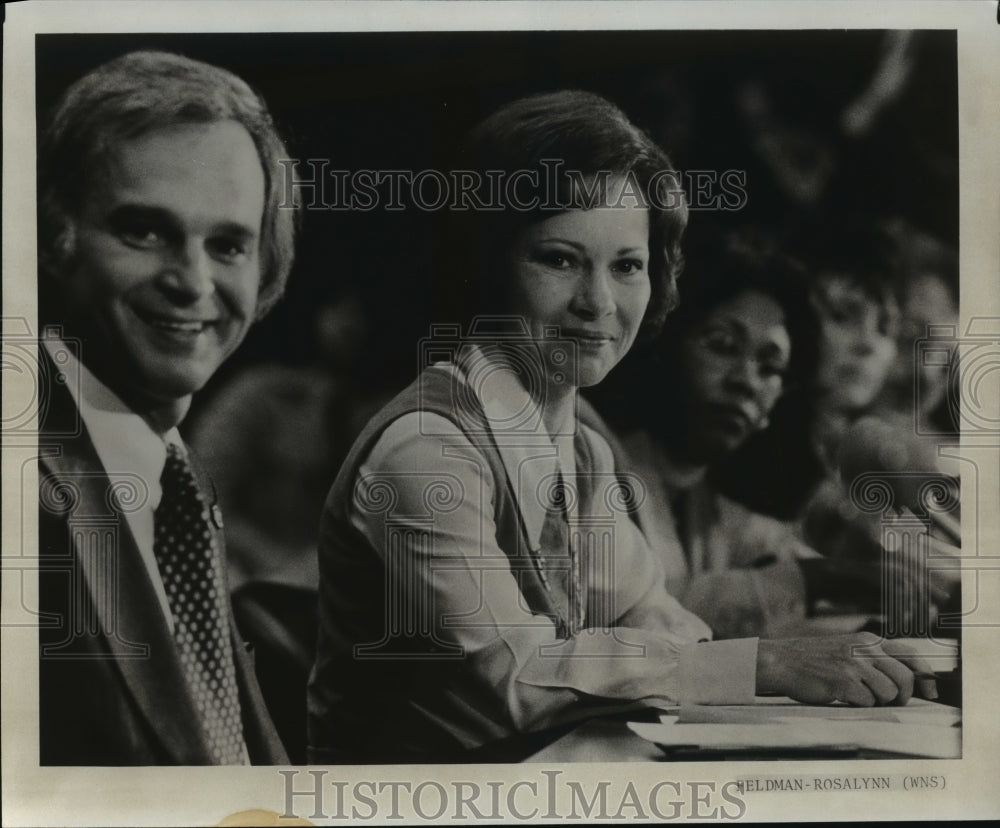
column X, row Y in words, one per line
column 934, row 741
column 769, row 709
column 940, row 653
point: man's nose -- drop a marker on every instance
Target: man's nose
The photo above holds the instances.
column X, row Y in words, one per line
column 595, row 297
column 188, row 273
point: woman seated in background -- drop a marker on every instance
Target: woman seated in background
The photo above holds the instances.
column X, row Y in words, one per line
column 918, row 392
column 895, row 447
column 744, row 333
column 481, row 572
column 796, row 469
column 850, row 272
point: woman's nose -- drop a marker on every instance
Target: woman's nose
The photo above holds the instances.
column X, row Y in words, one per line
column 866, row 336
column 744, row 374
column 595, row 297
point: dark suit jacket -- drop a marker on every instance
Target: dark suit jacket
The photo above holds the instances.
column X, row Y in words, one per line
column 112, row 690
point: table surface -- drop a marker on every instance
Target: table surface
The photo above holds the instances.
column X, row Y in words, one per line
column 599, row 740
column 609, row 739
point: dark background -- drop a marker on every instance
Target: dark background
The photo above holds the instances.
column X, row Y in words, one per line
column 403, row 100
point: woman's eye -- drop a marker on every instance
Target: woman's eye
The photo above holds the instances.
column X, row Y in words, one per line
column 555, row 259
column 840, row 316
column 888, row 324
column 844, row 311
column 629, row 266
column 720, row 342
column 770, row 370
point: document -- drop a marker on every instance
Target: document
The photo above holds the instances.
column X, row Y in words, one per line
column 938, row 741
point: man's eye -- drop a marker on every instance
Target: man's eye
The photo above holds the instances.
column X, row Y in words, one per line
column 142, row 237
column 227, row 249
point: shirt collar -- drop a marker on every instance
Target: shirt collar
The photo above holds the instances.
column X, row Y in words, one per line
column 123, row 440
column 530, row 456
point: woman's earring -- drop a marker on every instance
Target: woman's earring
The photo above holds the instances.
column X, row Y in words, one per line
column 763, row 423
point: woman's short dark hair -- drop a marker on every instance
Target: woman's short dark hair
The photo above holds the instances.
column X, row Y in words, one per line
column 858, row 250
column 733, row 265
column 549, row 153
column 919, row 253
column 128, row 97
column 647, row 393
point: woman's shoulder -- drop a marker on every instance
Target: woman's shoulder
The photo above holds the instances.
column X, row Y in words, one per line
column 413, row 441
column 609, row 453
column 432, row 392
column 415, row 427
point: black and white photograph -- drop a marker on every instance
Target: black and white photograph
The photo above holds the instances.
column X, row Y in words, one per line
column 500, row 412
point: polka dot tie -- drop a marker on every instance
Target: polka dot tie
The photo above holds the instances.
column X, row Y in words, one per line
column 189, row 562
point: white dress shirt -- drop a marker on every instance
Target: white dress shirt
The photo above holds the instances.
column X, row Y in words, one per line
column 133, row 455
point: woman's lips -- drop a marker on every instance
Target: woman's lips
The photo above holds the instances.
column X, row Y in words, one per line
column 857, row 374
column 732, row 415
column 590, row 339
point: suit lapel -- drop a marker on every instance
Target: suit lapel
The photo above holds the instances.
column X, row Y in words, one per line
column 114, row 579
column 263, row 743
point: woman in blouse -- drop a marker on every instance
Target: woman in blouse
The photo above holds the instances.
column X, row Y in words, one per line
column 481, row 571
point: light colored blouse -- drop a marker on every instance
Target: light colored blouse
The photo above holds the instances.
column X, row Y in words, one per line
column 638, row 644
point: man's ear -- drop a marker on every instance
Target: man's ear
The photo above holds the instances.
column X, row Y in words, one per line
column 57, row 254
column 265, row 300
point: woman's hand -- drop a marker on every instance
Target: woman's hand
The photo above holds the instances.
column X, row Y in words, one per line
column 860, row 669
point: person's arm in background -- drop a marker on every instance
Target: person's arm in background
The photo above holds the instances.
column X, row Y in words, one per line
column 767, row 584
column 744, row 575
column 851, row 567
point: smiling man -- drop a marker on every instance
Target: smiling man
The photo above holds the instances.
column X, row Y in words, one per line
column 161, row 241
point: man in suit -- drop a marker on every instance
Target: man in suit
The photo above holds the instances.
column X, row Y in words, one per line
column 162, row 238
